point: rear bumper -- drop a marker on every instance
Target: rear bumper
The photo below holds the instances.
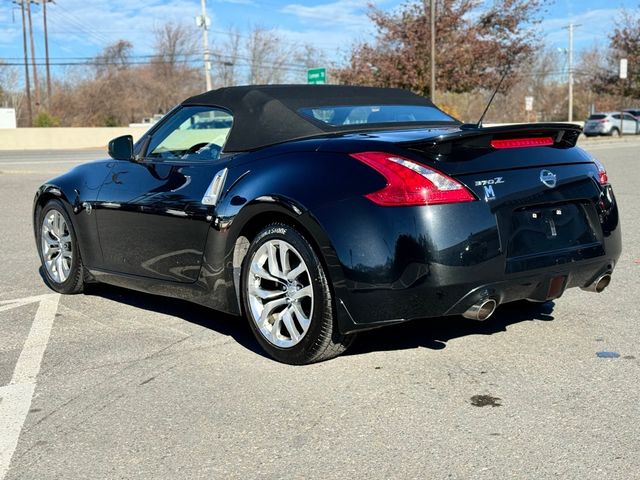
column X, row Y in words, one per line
column 374, row 307
column 394, row 265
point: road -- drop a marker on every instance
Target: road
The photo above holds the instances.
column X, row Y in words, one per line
column 116, row 384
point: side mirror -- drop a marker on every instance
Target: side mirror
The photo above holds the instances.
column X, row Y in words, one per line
column 121, row 148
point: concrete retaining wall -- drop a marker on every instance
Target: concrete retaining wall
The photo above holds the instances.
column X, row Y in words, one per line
column 63, row 138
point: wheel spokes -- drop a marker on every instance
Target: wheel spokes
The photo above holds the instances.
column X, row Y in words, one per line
column 57, row 226
column 57, row 246
column 280, row 293
column 51, row 252
column 268, row 309
column 265, row 294
column 303, row 320
column 303, row 292
column 290, row 325
column 258, row 271
column 273, row 260
column 284, row 258
column 50, row 242
column 296, row 272
column 60, row 267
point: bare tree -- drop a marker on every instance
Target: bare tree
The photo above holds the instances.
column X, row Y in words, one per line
column 170, row 76
column 114, row 57
column 308, row 56
column 268, row 56
column 11, row 93
column 226, row 59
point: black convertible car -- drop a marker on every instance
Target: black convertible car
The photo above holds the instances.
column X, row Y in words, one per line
column 319, row 211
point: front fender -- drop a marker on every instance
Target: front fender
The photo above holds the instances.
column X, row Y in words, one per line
column 77, row 189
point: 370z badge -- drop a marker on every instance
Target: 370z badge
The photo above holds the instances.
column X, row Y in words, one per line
column 489, row 193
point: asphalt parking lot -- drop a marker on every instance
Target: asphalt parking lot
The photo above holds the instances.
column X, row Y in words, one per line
column 117, row 384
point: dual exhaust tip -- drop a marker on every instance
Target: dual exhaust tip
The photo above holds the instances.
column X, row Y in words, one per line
column 485, row 308
column 600, row 284
column 481, row 310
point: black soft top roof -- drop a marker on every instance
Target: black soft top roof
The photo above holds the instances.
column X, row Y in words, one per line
column 268, row 114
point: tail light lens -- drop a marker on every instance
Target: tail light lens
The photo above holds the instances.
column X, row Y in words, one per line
column 602, row 173
column 410, row 183
column 522, row 142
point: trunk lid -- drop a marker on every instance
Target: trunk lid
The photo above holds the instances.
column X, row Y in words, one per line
column 547, row 202
column 546, row 199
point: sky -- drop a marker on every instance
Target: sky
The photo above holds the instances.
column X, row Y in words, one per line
column 81, row 28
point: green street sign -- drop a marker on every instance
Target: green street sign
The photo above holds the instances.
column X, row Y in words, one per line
column 317, row 76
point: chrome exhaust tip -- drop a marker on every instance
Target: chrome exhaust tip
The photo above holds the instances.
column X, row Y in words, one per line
column 481, row 310
column 600, row 284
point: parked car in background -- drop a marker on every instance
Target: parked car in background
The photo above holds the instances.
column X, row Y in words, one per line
column 609, row 123
column 633, row 111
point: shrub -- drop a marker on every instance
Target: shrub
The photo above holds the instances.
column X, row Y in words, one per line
column 45, row 119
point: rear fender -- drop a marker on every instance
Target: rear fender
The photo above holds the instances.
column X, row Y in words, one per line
column 237, row 225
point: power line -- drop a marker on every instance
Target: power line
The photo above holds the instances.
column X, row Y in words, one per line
column 226, row 59
column 98, row 63
column 153, row 58
column 60, row 16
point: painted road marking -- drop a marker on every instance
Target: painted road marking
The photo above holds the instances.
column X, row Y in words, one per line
column 15, row 398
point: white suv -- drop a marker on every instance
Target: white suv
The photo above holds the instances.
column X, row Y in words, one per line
column 609, row 123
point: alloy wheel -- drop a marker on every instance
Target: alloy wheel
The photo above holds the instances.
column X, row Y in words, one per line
column 280, row 293
column 56, row 245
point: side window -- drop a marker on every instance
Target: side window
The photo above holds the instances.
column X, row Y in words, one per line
column 616, row 116
column 193, row 134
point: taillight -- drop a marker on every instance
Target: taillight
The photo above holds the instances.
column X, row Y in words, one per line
column 522, row 142
column 410, row 183
column 602, row 173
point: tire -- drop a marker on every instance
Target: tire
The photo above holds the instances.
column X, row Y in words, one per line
column 287, row 299
column 62, row 271
column 614, row 132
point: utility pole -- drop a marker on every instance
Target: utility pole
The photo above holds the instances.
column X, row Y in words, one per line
column 46, row 51
column 433, row 49
column 36, row 86
column 571, row 26
column 26, row 64
column 203, row 21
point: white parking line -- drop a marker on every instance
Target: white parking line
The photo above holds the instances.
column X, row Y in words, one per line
column 40, row 162
column 16, row 397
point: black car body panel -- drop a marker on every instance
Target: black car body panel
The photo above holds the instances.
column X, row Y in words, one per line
column 142, row 224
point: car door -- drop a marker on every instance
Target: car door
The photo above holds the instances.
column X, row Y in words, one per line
column 630, row 124
column 152, row 214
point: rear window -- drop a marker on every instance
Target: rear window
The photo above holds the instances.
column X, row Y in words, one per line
column 338, row 116
column 597, row 116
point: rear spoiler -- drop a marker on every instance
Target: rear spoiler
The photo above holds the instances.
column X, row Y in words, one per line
column 469, row 138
